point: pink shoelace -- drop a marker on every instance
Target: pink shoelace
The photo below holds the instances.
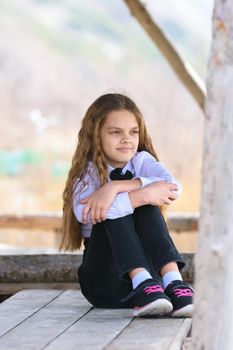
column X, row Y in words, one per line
column 153, row 289
column 183, row 292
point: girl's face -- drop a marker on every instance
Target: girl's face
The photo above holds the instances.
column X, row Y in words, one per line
column 119, row 137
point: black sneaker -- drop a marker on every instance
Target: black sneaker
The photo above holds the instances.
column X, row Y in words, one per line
column 181, row 296
column 149, row 299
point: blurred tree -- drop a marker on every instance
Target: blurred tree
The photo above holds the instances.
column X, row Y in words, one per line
column 213, row 321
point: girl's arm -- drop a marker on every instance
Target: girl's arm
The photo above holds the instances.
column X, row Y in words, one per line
column 119, row 198
column 109, row 201
column 93, row 204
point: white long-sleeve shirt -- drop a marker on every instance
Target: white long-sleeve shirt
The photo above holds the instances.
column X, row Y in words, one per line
column 143, row 166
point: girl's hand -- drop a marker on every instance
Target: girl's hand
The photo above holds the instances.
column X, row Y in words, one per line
column 159, row 193
column 98, row 203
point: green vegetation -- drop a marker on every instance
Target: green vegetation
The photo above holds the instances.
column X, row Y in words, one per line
column 12, row 163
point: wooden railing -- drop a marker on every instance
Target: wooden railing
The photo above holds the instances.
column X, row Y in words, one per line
column 177, row 222
column 33, row 221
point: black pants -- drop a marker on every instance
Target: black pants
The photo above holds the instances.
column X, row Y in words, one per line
column 119, row 245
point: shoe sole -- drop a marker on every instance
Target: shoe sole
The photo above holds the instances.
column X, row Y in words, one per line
column 186, row 311
column 157, row 307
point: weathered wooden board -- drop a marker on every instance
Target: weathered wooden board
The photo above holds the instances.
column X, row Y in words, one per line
column 40, row 319
column 94, row 331
column 45, row 324
column 23, row 305
column 152, row 334
column 39, row 268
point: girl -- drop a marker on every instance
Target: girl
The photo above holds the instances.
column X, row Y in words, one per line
column 112, row 200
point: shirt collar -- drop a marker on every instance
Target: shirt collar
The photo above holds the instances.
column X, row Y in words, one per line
column 128, row 166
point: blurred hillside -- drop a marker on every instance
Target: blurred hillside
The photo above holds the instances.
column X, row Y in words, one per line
column 56, row 57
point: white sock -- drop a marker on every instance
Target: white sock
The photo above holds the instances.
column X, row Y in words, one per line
column 171, row 276
column 140, row 277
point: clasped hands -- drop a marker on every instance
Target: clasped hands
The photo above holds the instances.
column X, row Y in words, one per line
column 98, row 202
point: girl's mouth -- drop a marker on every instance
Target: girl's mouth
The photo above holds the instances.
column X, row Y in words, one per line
column 124, row 149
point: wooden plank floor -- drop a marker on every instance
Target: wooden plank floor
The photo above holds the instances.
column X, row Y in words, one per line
column 64, row 320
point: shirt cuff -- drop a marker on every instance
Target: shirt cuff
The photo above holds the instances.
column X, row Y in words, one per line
column 147, row 181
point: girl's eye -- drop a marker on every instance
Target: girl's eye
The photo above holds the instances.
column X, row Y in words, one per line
column 116, row 132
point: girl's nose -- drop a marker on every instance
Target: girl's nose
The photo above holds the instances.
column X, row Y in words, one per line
column 126, row 139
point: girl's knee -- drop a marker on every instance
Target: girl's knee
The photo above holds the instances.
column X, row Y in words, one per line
column 148, row 209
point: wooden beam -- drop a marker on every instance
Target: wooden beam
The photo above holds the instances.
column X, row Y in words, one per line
column 55, row 268
column 183, row 70
column 180, row 222
column 33, row 221
column 176, row 222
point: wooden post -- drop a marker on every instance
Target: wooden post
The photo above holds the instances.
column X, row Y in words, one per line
column 213, row 316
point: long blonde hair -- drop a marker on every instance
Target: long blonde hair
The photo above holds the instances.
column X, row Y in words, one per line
column 89, row 149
